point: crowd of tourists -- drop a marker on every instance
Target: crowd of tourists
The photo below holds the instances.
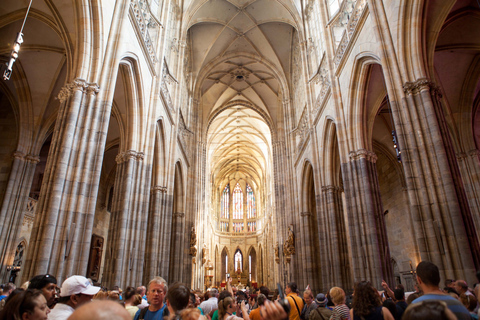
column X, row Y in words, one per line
column 79, row 299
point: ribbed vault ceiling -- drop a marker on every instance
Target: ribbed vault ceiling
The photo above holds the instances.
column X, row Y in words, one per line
column 241, row 51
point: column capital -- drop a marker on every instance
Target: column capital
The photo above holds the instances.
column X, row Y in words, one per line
column 363, row 153
column 179, row 214
column 18, row 155
column 32, row 159
column 418, row 86
column 306, row 214
column 332, row 188
column 77, row 85
column 158, row 189
column 129, row 154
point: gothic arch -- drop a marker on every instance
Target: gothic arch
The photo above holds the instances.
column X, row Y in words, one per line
column 159, row 156
column 357, row 97
column 130, row 75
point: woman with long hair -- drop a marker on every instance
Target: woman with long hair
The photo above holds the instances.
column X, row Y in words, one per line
column 228, row 306
column 367, row 304
column 26, row 305
column 132, row 300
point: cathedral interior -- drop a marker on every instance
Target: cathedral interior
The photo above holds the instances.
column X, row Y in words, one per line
column 317, row 141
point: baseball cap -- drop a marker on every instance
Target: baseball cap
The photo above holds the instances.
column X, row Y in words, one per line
column 77, row 285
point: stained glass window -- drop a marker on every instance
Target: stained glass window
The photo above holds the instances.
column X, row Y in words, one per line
column 238, row 227
column 237, row 202
column 225, row 213
column 252, row 226
column 251, row 210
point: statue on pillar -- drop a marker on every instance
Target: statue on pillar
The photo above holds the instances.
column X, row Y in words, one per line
column 289, row 245
column 193, row 242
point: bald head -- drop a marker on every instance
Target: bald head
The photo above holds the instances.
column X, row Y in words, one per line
column 99, row 310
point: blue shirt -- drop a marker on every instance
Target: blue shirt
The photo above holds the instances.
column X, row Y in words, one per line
column 453, row 304
column 156, row 315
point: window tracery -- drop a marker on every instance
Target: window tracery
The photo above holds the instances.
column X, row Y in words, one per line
column 225, row 212
column 237, row 202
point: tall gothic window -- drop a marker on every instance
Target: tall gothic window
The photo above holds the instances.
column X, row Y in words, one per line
column 251, row 209
column 237, row 202
column 225, row 213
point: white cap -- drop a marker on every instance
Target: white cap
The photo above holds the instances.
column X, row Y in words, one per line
column 77, row 285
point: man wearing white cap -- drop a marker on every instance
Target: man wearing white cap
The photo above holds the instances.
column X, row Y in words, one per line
column 75, row 291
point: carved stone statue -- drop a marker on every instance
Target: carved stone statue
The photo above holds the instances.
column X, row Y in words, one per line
column 204, row 254
column 193, row 242
column 289, row 245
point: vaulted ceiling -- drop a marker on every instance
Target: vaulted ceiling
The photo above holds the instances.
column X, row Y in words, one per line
column 241, row 53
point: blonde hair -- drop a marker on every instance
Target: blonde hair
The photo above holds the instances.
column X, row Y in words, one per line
column 223, row 305
column 338, row 295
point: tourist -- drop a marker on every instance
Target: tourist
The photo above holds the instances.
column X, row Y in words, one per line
column 255, row 313
column 296, row 303
column 428, row 278
column 367, row 303
column 321, row 312
column 75, row 291
column 309, row 304
column 228, row 306
column 157, row 289
column 428, row 310
column 340, row 311
column 26, row 305
column 211, row 304
column 177, row 299
column 131, row 300
column 48, row 285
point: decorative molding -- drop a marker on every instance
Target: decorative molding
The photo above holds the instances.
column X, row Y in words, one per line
column 185, row 136
column 306, row 214
column 29, row 215
column 179, row 215
column 321, row 77
column 32, row 159
column 18, row 155
column 77, row 85
column 331, row 188
column 157, row 189
column 348, row 18
column 302, row 133
column 363, row 153
column 140, row 15
column 129, row 154
column 418, row 86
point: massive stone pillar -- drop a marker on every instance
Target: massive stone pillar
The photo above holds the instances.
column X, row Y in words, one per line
column 177, row 245
column 62, row 231
column 442, row 218
column 127, row 229
column 157, row 227
column 335, row 261
column 14, row 206
column 369, row 243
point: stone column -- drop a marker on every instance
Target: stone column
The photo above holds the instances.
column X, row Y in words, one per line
column 335, row 261
column 308, row 251
column 443, row 221
column 177, row 248
column 156, row 227
column 125, row 226
column 63, row 225
column 14, row 206
column 469, row 164
column 369, row 243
